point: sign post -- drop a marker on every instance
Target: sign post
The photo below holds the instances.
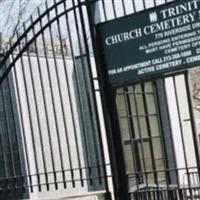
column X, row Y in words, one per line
column 152, row 42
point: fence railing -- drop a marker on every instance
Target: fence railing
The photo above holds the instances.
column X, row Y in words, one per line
column 51, row 141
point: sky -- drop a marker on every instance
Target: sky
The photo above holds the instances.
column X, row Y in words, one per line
column 9, row 11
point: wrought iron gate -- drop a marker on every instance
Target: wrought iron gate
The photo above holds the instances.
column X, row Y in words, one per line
column 51, row 142
column 51, row 123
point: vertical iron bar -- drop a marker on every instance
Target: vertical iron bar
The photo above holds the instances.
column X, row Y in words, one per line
column 91, row 28
column 36, row 101
column 30, row 119
column 141, row 141
column 139, row 129
column 132, row 130
column 45, row 103
column 79, row 97
column 134, row 147
column 60, row 97
column 134, row 7
column 70, row 101
column 160, row 127
column 104, row 10
column 87, row 86
column 124, row 8
column 144, row 4
column 109, row 110
column 114, row 10
column 155, row 173
column 22, row 128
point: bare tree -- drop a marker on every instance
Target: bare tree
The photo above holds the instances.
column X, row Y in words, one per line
column 195, row 86
column 19, row 15
column 13, row 13
column 196, row 96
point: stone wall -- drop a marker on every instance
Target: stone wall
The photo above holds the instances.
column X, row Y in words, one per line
column 195, row 92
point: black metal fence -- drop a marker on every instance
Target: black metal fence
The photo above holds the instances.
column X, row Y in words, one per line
column 189, row 190
column 52, row 140
column 160, row 145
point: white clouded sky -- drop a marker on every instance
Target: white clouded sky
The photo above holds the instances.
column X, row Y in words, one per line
column 11, row 8
column 5, row 9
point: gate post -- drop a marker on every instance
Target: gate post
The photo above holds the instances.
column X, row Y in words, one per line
column 82, row 21
column 119, row 177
